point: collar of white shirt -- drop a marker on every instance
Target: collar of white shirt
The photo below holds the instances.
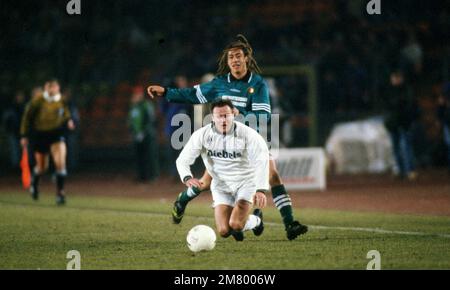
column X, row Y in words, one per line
column 51, row 99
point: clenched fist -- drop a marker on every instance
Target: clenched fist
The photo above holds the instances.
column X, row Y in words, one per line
column 155, row 91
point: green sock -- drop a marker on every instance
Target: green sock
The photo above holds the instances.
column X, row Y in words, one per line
column 187, row 195
column 283, row 202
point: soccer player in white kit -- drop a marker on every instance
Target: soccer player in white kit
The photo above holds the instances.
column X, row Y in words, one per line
column 237, row 158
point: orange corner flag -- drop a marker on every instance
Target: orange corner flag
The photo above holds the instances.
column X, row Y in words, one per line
column 24, row 165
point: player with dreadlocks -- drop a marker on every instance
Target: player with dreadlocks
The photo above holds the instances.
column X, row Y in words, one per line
column 238, row 79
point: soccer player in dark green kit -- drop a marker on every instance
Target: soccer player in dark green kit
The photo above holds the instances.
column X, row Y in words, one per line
column 238, row 79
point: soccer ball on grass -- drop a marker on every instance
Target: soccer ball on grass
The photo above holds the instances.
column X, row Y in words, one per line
column 201, row 238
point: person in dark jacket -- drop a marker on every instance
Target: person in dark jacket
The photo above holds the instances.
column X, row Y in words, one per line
column 444, row 117
column 402, row 111
column 11, row 119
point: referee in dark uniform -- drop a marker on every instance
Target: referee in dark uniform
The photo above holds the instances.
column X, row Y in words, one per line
column 44, row 125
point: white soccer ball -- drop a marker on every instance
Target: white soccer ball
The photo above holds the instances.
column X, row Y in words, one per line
column 201, row 238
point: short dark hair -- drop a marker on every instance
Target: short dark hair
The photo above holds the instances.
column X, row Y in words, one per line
column 53, row 80
column 221, row 103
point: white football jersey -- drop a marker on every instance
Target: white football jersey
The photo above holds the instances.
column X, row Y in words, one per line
column 232, row 159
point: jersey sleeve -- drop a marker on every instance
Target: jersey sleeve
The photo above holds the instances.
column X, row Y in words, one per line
column 199, row 94
column 27, row 118
column 261, row 100
column 258, row 155
column 190, row 152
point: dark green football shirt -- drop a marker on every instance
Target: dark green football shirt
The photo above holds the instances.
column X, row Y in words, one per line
column 250, row 94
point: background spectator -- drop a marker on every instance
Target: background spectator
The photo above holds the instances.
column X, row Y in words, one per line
column 12, row 118
column 143, row 128
column 402, row 112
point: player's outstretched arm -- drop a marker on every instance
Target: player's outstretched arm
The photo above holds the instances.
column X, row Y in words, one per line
column 173, row 95
column 199, row 94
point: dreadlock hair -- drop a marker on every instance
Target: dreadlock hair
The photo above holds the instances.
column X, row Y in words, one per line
column 240, row 42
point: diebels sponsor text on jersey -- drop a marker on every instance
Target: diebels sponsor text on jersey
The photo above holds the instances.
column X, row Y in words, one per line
column 224, row 154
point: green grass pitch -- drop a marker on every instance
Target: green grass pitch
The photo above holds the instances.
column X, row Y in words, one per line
column 129, row 233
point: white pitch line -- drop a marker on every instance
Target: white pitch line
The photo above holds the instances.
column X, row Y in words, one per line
column 378, row 231
column 314, row 227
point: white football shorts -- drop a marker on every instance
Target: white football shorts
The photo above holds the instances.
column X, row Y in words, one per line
column 223, row 195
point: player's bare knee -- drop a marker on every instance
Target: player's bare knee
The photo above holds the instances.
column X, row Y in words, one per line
column 203, row 187
column 40, row 168
column 242, row 205
column 224, row 231
column 237, row 225
column 205, row 184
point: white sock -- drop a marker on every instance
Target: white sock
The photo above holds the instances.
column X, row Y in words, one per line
column 252, row 222
column 191, row 192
